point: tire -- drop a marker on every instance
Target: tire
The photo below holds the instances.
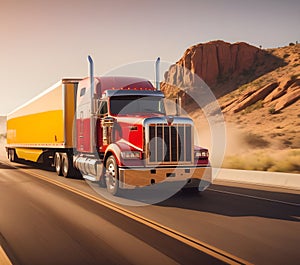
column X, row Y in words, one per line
column 12, row 156
column 65, row 166
column 58, row 164
column 102, row 181
column 111, row 176
column 191, row 191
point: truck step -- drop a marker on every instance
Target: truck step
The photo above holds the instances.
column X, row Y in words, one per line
column 89, row 177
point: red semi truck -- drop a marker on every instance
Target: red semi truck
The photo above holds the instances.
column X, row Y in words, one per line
column 113, row 130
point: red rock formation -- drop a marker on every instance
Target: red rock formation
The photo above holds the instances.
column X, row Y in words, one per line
column 280, row 90
column 230, row 106
column 277, row 95
column 287, row 99
column 212, row 62
column 291, row 88
column 254, row 97
column 224, row 67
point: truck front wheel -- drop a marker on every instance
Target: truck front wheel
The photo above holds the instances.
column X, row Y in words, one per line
column 111, row 176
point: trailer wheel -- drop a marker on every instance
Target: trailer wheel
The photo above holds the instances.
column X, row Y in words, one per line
column 65, row 165
column 11, row 155
column 58, row 164
column 111, row 176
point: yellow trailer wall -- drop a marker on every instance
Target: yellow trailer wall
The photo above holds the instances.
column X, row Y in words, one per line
column 43, row 128
column 44, row 122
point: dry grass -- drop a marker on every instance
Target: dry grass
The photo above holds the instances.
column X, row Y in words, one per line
column 266, row 160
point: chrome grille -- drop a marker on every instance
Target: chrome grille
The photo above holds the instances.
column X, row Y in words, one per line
column 170, row 144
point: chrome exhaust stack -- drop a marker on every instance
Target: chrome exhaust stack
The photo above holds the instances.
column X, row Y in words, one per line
column 93, row 118
column 157, row 83
column 91, row 64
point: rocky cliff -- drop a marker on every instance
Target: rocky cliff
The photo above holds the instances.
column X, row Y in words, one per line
column 255, row 74
column 275, row 90
column 214, row 61
column 258, row 90
column 276, row 95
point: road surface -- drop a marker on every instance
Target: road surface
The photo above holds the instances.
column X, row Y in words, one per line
column 44, row 223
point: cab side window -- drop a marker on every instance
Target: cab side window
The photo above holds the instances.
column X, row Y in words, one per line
column 82, row 91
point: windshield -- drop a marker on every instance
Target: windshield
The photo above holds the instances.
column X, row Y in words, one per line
column 136, row 105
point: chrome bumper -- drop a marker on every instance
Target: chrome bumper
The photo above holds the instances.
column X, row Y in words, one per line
column 191, row 177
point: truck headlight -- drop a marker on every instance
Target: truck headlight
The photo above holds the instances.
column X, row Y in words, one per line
column 131, row 155
column 201, row 154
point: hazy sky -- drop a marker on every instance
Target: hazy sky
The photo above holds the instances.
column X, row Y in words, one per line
column 43, row 41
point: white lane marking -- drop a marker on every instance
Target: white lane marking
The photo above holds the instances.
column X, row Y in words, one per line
column 255, row 197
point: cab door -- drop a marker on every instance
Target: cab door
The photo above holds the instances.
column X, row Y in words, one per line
column 103, row 112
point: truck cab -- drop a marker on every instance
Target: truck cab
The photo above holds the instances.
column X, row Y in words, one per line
column 125, row 139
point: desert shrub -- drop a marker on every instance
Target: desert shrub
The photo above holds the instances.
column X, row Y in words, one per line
column 253, row 161
column 268, row 160
column 234, row 162
column 288, row 163
column 272, row 110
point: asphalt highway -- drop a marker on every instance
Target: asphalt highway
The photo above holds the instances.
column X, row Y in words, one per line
column 44, row 223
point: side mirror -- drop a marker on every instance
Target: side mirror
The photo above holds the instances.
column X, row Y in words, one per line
column 178, row 106
column 102, row 110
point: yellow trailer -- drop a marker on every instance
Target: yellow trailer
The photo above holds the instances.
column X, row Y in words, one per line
column 43, row 124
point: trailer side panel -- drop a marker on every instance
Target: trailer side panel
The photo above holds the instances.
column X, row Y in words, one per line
column 43, row 123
